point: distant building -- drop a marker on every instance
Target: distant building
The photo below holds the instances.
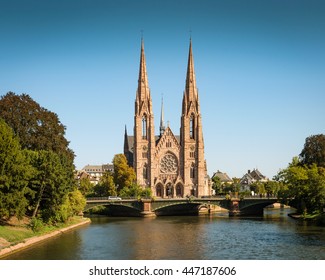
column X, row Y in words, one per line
column 251, row 177
column 95, row 172
column 224, row 178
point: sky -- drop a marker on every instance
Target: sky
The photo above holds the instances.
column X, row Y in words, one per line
column 260, row 72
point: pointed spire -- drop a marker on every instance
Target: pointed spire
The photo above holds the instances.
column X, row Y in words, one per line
column 190, row 93
column 126, row 142
column 190, row 76
column 162, row 125
column 143, row 86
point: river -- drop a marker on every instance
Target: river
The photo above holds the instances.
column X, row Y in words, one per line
column 273, row 237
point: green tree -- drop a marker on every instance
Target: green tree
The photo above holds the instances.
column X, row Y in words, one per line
column 135, row 191
column 42, row 135
column 50, row 184
column 314, row 151
column 36, row 127
column 216, row 185
column 124, row 175
column 75, row 202
column 236, row 184
column 304, row 185
column 107, row 180
column 14, row 175
column 272, row 187
column 106, row 185
column 85, row 186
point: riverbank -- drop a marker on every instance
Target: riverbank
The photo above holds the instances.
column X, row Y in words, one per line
column 8, row 246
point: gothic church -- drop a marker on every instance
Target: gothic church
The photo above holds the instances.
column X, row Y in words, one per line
column 172, row 166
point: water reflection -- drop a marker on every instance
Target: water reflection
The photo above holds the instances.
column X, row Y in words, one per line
column 275, row 236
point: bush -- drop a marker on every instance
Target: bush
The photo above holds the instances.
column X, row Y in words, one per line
column 36, row 224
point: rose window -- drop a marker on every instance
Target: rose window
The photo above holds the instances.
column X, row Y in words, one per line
column 168, row 164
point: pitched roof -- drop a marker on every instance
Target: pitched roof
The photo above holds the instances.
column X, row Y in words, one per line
column 98, row 168
column 252, row 176
column 223, row 176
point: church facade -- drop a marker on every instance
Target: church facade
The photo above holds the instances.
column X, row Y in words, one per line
column 171, row 165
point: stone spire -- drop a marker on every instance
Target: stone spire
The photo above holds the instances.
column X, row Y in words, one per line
column 144, row 131
column 192, row 153
column 162, row 124
column 190, row 94
column 143, row 92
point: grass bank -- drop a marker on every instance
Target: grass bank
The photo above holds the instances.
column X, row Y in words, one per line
column 18, row 235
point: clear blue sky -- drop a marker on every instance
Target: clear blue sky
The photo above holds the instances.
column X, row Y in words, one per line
column 260, row 69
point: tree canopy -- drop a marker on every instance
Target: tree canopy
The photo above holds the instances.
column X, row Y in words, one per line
column 305, row 185
column 14, row 174
column 314, row 150
column 36, row 127
column 124, row 175
column 36, row 164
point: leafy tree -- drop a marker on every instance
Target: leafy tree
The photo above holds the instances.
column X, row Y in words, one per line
column 135, row 191
column 124, row 175
column 36, row 127
column 106, row 185
column 50, row 184
column 314, row 150
column 272, row 187
column 14, row 175
column 76, row 202
column 216, row 184
column 305, row 185
column 42, row 136
column 235, row 186
column 85, row 186
column 107, row 180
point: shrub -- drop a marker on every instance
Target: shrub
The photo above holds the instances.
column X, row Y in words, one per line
column 36, row 224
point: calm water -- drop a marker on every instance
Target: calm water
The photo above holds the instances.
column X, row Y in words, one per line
column 275, row 236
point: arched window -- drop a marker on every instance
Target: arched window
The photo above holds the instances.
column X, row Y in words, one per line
column 192, row 127
column 169, row 190
column 159, row 192
column 192, row 171
column 145, row 172
column 179, row 191
column 144, row 127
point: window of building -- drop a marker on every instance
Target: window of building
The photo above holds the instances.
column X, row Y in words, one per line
column 145, row 172
column 192, row 127
column 144, row 127
column 192, row 171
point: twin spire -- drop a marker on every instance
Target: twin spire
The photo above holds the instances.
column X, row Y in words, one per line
column 143, row 92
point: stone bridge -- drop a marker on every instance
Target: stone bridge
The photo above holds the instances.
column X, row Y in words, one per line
column 181, row 206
